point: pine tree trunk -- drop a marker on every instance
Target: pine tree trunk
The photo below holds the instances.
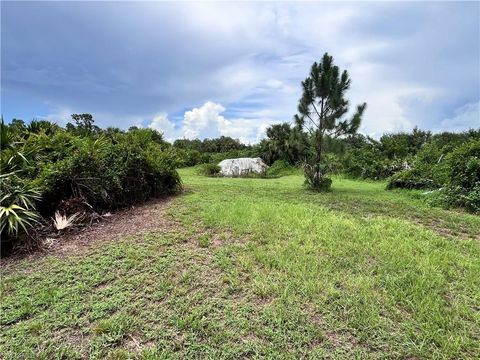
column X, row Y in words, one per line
column 318, row 157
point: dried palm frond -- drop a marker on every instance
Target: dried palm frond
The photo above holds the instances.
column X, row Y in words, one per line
column 62, row 221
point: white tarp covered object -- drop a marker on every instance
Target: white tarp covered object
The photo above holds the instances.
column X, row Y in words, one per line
column 242, row 166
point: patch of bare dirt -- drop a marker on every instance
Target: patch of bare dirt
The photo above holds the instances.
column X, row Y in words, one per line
column 136, row 220
column 133, row 221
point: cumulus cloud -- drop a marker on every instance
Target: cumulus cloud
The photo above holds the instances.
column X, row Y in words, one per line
column 161, row 123
column 204, row 120
column 207, row 121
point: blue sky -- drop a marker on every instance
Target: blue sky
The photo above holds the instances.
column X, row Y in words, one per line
column 210, row 69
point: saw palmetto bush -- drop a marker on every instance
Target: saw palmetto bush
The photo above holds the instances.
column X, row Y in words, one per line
column 104, row 173
column 45, row 167
column 17, row 200
column 17, row 206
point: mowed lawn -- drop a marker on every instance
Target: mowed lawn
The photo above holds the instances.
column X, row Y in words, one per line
column 259, row 268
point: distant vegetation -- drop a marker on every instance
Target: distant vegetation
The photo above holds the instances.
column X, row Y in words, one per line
column 194, row 152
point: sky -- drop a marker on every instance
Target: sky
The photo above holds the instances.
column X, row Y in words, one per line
column 202, row 70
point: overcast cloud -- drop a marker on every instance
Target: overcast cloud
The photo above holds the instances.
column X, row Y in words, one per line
column 210, row 69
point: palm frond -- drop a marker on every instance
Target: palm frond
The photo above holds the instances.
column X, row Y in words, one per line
column 62, row 221
column 14, row 216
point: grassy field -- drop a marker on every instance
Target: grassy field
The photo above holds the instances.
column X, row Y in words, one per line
column 259, row 268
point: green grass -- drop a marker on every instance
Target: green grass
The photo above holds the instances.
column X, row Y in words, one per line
column 260, row 268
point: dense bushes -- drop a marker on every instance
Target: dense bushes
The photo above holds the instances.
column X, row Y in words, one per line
column 209, row 169
column 281, row 168
column 285, row 143
column 409, row 179
column 101, row 170
column 17, row 208
column 451, row 163
column 105, row 173
column 463, row 187
column 187, row 157
column 217, row 145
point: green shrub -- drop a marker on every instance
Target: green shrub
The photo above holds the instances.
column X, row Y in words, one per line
column 209, row 170
column 314, row 178
column 17, row 206
column 324, row 184
column 333, row 164
column 464, row 176
column 105, row 174
column 186, row 158
column 365, row 163
column 409, row 179
column 455, row 170
column 281, row 168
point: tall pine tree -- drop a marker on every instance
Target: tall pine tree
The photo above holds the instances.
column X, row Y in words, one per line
column 322, row 109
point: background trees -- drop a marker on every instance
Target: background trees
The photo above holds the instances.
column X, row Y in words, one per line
column 284, row 143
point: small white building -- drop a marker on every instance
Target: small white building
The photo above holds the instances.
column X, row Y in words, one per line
column 242, row 166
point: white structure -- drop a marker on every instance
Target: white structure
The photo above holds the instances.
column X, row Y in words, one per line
column 242, row 166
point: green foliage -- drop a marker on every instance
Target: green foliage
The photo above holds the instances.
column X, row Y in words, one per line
column 464, row 179
column 194, row 152
column 314, row 181
column 409, row 179
column 17, row 206
column 17, row 200
column 251, row 151
column 188, row 157
column 364, row 163
column 401, row 145
column 284, row 143
column 333, row 164
column 450, row 162
column 217, row 145
column 281, row 168
column 209, row 170
column 41, row 126
column 84, row 124
column 103, row 173
column 101, row 169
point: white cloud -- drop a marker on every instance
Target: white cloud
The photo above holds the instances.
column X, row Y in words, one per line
column 204, row 121
column 161, row 123
column 207, row 121
column 466, row 117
